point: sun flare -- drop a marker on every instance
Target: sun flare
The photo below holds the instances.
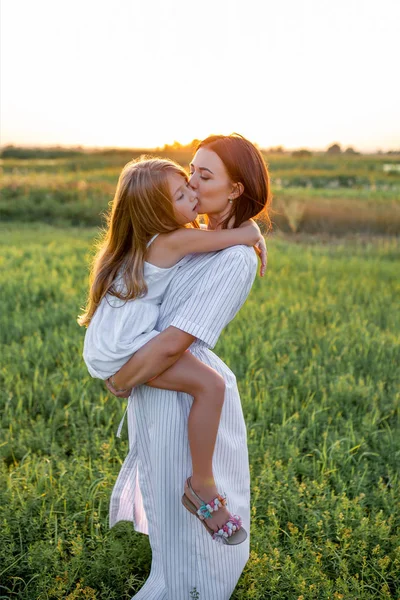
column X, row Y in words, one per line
column 103, row 74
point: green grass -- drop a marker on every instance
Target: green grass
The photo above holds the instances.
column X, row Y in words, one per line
column 316, row 351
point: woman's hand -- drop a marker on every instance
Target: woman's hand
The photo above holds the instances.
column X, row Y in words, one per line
column 110, row 387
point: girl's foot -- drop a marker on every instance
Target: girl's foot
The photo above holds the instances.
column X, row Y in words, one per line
column 208, row 492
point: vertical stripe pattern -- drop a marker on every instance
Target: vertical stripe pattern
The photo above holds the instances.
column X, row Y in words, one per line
column 204, row 295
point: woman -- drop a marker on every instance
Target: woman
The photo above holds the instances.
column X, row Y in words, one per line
column 205, row 294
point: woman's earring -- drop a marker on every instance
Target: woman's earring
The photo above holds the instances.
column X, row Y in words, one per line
column 230, row 200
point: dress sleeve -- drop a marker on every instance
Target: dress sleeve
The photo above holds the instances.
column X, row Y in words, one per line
column 218, row 295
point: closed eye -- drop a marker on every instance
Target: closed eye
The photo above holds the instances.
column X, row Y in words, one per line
column 201, row 176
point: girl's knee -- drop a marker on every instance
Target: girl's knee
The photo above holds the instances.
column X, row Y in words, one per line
column 219, row 386
column 212, row 386
column 221, row 383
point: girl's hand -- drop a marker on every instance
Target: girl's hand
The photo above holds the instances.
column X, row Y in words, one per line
column 260, row 246
column 261, row 249
column 114, row 392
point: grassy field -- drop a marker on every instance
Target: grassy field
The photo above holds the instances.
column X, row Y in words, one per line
column 316, row 194
column 316, row 350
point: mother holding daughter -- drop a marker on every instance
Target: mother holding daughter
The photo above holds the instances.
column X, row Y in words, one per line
column 158, row 288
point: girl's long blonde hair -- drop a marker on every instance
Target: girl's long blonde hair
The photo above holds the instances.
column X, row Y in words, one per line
column 142, row 206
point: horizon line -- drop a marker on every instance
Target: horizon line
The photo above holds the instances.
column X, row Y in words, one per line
column 375, row 150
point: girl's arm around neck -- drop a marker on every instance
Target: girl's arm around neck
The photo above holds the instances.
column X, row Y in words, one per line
column 187, row 241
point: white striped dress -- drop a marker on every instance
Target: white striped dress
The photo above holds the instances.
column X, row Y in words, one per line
column 205, row 294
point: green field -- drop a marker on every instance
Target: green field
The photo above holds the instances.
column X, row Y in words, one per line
column 315, row 194
column 316, row 350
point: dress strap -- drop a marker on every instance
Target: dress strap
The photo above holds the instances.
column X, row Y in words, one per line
column 152, row 239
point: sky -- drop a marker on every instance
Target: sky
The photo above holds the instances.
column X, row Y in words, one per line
column 145, row 73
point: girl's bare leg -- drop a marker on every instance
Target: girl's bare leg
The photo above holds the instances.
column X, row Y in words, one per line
column 207, row 387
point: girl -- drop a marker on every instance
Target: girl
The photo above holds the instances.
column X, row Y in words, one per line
column 152, row 228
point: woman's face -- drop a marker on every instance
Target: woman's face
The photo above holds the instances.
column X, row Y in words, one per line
column 211, row 183
column 184, row 199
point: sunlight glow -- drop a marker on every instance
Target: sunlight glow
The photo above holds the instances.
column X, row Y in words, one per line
column 130, row 73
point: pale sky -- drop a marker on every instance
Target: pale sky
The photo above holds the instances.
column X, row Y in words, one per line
column 297, row 73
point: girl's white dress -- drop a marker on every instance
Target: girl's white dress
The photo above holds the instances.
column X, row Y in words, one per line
column 120, row 327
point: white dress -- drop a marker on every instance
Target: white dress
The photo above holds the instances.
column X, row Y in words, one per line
column 205, row 294
column 120, row 327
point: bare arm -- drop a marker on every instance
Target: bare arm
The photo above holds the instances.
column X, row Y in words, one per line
column 260, row 248
column 186, row 241
column 153, row 358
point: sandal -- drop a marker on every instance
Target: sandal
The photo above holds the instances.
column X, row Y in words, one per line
column 232, row 533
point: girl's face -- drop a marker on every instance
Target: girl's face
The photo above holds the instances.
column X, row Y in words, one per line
column 184, row 198
column 211, row 182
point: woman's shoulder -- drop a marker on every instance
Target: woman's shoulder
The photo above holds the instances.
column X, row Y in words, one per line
column 243, row 254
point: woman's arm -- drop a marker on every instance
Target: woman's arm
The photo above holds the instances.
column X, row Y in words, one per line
column 153, row 358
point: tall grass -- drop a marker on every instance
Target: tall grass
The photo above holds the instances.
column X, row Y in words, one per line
column 316, row 350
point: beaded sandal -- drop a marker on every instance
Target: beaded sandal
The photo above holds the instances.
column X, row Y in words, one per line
column 232, row 533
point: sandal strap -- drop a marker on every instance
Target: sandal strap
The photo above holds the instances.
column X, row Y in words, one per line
column 231, row 526
column 205, row 510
